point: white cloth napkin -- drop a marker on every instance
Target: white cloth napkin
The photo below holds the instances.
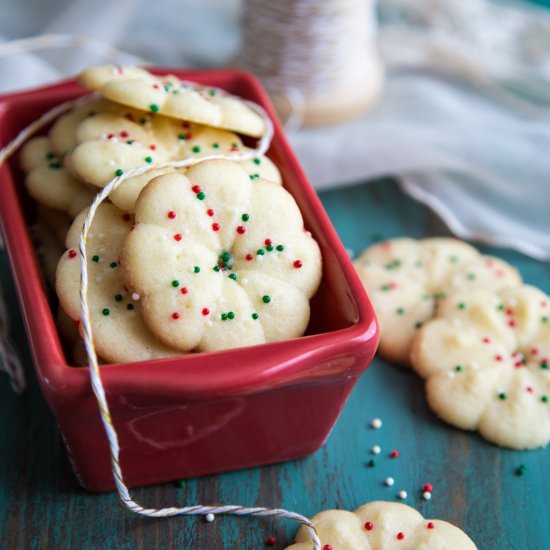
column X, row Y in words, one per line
column 463, row 122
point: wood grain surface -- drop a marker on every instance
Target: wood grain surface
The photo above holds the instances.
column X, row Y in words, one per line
column 474, row 483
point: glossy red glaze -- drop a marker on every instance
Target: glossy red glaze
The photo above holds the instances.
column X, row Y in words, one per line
column 208, row 412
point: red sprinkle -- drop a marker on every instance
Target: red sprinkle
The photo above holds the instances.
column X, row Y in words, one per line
column 153, row 147
column 271, row 541
column 215, row 227
column 369, row 526
column 205, row 311
column 512, row 323
column 509, row 311
column 210, row 212
column 184, row 290
column 124, row 134
column 400, row 536
column 241, row 229
column 268, row 242
column 518, row 364
column 171, row 214
column 394, row 454
column 297, row 264
column 175, row 315
column 72, row 253
column 430, row 525
column 534, row 351
column 327, row 547
column 529, row 389
column 110, row 136
column 249, row 257
column 233, row 149
column 126, row 217
column 156, row 86
column 498, row 357
column 486, row 340
column 178, row 237
column 428, row 487
column 77, row 323
column 196, row 189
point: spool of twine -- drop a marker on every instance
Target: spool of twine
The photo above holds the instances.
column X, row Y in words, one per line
column 317, row 58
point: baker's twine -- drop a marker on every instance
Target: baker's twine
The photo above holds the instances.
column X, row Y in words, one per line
column 95, row 377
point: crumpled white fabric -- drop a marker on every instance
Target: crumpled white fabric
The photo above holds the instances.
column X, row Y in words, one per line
column 463, row 121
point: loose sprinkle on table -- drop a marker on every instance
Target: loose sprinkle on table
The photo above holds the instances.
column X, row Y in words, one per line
column 402, row 495
column 376, row 450
column 376, row 424
column 389, row 481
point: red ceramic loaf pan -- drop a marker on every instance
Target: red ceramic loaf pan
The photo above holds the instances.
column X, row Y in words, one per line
column 202, row 413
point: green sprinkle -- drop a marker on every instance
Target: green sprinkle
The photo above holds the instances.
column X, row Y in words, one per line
column 260, row 252
column 251, row 176
column 439, row 296
column 55, row 165
column 113, row 265
column 500, row 307
column 544, row 399
column 471, row 276
column 212, row 92
column 502, row 396
column 231, row 315
column 95, row 258
column 196, row 269
column 255, row 316
column 257, row 161
column 269, row 248
column 544, row 366
column 544, row 319
column 201, row 196
column 50, row 156
column 418, row 264
column 385, row 288
column 453, row 259
column 400, row 311
column 154, row 108
column 234, row 144
column 119, row 173
column 280, row 247
column 418, row 324
column 148, row 159
column 521, row 469
column 225, row 256
column 216, row 145
column 129, row 307
column 196, row 149
column 266, row 299
column 371, row 463
column 181, row 137
column 245, row 217
column 224, row 316
column 233, row 276
column 180, row 484
column 118, row 297
column 461, row 305
column 216, row 268
column 129, row 142
column 106, row 312
column 393, row 264
column 175, row 283
column 458, row 368
column 143, row 120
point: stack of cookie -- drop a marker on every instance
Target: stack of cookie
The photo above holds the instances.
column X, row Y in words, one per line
column 466, row 324
column 180, row 260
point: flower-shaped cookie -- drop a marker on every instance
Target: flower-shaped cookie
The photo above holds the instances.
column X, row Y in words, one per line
column 48, row 182
column 486, row 361
column 167, row 95
column 110, row 144
column 382, row 526
column 219, row 260
column 117, row 323
column 406, row 279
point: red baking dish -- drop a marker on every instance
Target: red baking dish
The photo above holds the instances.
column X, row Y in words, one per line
column 202, row 413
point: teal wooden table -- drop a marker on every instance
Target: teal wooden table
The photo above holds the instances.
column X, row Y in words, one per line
column 475, row 484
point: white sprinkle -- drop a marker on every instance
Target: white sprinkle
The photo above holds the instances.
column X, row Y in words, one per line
column 259, row 258
column 186, row 231
column 135, row 296
column 111, row 162
column 209, row 518
column 474, row 365
column 389, row 481
column 427, row 495
column 350, row 252
column 376, row 424
column 376, row 450
column 244, row 281
column 164, row 237
column 402, row 495
column 451, row 374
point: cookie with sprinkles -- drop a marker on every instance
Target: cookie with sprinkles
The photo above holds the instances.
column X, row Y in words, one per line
column 168, row 95
column 486, row 362
column 120, row 334
column 407, row 278
column 382, row 525
column 232, row 274
column 48, row 182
